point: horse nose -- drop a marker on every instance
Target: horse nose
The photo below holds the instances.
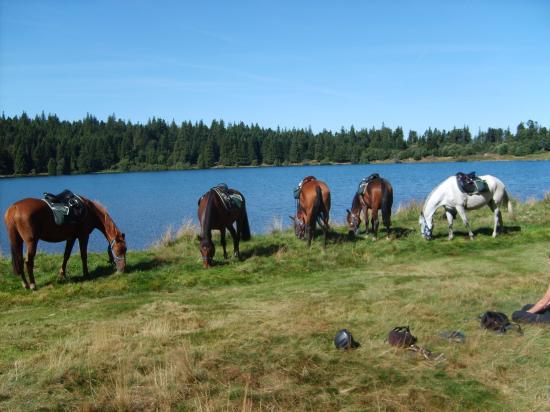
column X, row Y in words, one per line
column 121, row 266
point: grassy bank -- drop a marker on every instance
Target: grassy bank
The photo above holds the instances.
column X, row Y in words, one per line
column 257, row 334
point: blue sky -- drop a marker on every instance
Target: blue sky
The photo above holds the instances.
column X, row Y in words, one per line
column 291, row 64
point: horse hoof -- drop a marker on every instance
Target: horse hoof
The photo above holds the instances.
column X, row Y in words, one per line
column 25, row 285
column 33, row 286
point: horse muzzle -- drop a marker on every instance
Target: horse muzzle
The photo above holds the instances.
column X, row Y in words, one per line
column 120, row 265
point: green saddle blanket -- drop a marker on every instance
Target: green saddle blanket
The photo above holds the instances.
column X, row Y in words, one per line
column 471, row 184
column 230, row 198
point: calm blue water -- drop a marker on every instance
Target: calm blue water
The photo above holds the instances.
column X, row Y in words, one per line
column 145, row 204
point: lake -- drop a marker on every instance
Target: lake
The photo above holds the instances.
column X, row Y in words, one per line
column 144, row 205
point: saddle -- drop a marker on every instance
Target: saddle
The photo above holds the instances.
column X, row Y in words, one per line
column 471, row 184
column 298, row 189
column 230, row 198
column 66, row 207
column 365, row 182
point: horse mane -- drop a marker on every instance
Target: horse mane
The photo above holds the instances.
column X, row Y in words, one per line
column 103, row 215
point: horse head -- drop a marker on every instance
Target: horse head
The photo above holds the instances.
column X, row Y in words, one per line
column 117, row 252
column 354, row 221
column 299, row 223
column 207, row 251
column 425, row 228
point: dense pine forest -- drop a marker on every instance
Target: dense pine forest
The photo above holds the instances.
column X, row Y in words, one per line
column 46, row 144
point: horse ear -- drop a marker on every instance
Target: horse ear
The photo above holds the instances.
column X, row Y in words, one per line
column 349, row 213
column 123, row 235
column 292, row 218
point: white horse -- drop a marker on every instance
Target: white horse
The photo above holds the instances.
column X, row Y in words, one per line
column 449, row 196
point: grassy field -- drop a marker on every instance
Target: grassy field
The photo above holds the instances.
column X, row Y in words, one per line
column 257, row 334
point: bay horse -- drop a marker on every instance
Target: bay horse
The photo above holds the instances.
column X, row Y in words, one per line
column 213, row 215
column 449, row 196
column 30, row 220
column 312, row 207
column 377, row 196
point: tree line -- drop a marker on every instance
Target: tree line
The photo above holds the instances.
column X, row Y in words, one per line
column 46, row 144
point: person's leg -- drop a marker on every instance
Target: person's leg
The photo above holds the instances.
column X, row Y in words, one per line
column 543, row 304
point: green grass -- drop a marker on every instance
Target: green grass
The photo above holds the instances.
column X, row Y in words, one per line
column 257, row 334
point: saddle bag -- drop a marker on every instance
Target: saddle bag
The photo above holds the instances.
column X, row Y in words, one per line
column 401, row 337
column 498, row 322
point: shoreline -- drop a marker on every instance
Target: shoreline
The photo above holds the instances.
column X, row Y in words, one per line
column 487, row 157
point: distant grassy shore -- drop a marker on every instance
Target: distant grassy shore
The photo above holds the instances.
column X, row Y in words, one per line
column 428, row 159
column 257, row 334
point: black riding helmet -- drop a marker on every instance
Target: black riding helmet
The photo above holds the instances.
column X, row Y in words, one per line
column 344, row 340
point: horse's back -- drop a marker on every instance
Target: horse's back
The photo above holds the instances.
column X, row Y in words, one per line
column 25, row 209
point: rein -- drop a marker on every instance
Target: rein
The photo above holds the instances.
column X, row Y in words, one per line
column 115, row 257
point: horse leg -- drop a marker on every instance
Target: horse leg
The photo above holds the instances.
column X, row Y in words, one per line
column 223, row 242
column 68, row 248
column 500, row 222
column 325, row 231
column 31, row 252
column 235, row 237
column 497, row 216
column 375, row 223
column 462, row 212
column 16, row 243
column 450, row 223
column 366, row 211
column 83, row 243
column 310, row 232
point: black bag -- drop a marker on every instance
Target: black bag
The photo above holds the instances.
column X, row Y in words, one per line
column 498, row 321
column 402, row 337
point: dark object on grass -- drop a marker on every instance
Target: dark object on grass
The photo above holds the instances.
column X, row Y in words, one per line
column 523, row 316
column 344, row 340
column 498, row 322
column 402, row 337
column 453, row 336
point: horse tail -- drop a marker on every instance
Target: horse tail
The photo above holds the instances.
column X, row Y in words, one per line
column 318, row 212
column 243, row 227
column 387, row 203
column 506, row 198
column 16, row 241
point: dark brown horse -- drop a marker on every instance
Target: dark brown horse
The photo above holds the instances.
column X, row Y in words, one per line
column 213, row 215
column 313, row 206
column 378, row 195
column 30, row 220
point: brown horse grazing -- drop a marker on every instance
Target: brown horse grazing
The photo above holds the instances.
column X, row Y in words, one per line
column 30, row 220
column 378, row 195
column 313, row 206
column 213, row 215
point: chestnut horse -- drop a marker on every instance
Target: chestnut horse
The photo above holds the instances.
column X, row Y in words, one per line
column 30, row 220
column 378, row 196
column 214, row 216
column 313, row 206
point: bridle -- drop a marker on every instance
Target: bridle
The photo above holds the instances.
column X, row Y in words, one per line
column 115, row 256
column 426, row 231
column 355, row 221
